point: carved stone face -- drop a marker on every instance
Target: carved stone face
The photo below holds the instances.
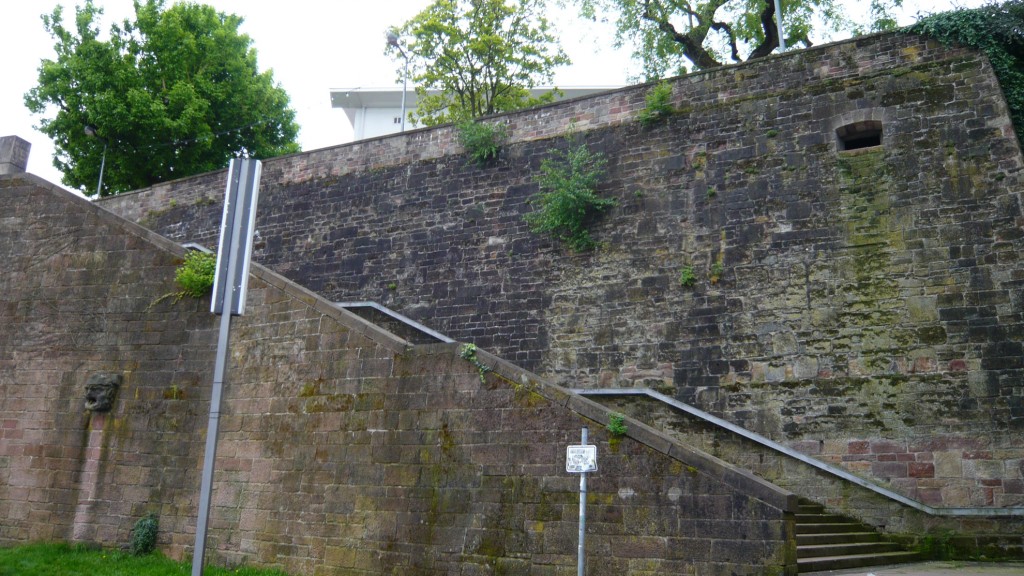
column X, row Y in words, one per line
column 100, row 391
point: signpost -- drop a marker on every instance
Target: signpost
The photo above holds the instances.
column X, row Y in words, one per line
column 580, row 460
column 229, row 289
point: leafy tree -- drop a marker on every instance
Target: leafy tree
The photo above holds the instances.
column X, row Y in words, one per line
column 709, row 33
column 994, row 29
column 471, row 58
column 174, row 93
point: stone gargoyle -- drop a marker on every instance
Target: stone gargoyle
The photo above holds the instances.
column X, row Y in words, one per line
column 100, row 391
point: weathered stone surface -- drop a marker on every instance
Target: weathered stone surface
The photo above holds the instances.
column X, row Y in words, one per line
column 867, row 295
column 14, row 153
column 341, row 449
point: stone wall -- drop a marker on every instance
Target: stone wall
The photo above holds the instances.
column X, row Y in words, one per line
column 965, row 534
column 343, row 449
column 867, row 298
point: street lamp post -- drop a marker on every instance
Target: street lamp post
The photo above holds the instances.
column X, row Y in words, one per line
column 393, row 41
column 91, row 132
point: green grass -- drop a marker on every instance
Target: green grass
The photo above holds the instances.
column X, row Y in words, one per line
column 73, row 560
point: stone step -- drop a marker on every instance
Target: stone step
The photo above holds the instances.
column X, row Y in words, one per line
column 840, row 538
column 829, row 528
column 824, row 563
column 827, row 541
column 822, row 518
column 846, row 549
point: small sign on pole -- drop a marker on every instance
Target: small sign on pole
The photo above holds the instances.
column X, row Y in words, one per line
column 581, row 459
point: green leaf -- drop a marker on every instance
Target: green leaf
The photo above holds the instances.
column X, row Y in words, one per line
column 174, row 92
column 479, row 57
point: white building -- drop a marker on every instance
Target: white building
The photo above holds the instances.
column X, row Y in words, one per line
column 378, row 111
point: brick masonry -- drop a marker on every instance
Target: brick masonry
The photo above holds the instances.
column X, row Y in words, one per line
column 343, row 449
column 868, row 297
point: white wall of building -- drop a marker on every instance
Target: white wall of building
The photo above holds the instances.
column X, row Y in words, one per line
column 376, row 112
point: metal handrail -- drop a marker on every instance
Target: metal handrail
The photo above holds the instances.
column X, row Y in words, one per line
column 823, row 466
column 396, row 316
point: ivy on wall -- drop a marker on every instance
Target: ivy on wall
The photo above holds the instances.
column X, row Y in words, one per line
column 995, row 30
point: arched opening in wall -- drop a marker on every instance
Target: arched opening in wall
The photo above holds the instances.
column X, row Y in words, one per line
column 859, row 135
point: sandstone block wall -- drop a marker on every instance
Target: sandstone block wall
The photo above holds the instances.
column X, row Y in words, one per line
column 966, row 535
column 343, row 449
column 867, row 297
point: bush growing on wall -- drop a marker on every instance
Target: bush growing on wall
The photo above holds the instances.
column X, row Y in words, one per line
column 195, row 275
column 658, row 104
column 568, row 200
column 481, row 140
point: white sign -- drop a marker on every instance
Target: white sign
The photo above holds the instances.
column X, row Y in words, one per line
column 579, row 459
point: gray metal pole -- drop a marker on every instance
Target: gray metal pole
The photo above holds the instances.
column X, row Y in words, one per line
column 405, row 85
column 778, row 24
column 580, row 559
column 220, row 367
column 210, row 455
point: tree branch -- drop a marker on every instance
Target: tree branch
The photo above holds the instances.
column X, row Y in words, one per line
column 771, row 32
column 692, row 43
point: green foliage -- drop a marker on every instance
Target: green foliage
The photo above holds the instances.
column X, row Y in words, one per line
column 716, row 271
column 482, row 56
column 994, row 29
column 173, row 93
column 568, row 199
column 686, row 277
column 54, row 559
column 668, row 34
column 616, row 424
column 195, row 275
column 658, row 104
column 468, row 353
column 482, row 140
column 144, row 535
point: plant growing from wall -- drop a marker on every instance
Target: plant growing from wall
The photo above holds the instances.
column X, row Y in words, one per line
column 616, row 424
column 686, row 277
column 482, row 140
column 195, row 275
column 658, row 104
column 568, row 200
column 468, row 353
column 143, row 535
column 716, row 271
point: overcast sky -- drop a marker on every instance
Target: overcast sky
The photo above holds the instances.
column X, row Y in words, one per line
column 311, row 46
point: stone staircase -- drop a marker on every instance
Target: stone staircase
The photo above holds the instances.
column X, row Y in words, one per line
column 826, row 541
